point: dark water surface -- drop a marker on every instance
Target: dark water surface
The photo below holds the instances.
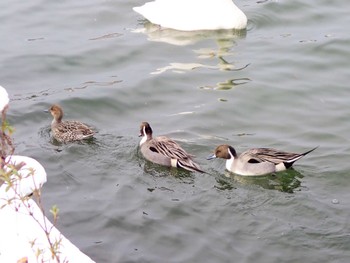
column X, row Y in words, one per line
column 284, row 83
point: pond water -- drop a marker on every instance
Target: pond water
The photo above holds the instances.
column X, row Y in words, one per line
column 284, row 83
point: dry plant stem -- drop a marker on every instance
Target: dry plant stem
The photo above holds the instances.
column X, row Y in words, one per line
column 54, row 246
column 7, row 149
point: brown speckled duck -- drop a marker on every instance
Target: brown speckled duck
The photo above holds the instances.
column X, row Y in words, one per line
column 68, row 131
column 164, row 151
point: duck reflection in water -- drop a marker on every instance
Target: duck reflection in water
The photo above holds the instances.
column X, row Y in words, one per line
column 155, row 170
column 286, row 181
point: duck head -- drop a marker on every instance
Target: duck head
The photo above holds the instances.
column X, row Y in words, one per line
column 56, row 112
column 145, row 132
column 223, row 151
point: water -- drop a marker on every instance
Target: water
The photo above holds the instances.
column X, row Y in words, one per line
column 282, row 84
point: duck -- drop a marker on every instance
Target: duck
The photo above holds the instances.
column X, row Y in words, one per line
column 192, row 15
column 4, row 99
column 68, row 131
column 165, row 151
column 256, row 161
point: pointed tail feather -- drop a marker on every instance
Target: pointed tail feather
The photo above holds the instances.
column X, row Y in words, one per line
column 305, row 153
column 192, row 167
column 289, row 163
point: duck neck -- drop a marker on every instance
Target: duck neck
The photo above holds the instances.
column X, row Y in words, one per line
column 143, row 140
column 146, row 137
column 232, row 154
column 56, row 121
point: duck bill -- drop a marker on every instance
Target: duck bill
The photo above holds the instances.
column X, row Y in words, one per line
column 210, row 157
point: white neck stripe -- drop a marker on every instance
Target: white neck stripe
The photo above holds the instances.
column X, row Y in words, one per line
column 144, row 137
column 230, row 161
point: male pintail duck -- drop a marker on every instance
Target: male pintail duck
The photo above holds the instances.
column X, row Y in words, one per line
column 68, row 131
column 190, row 15
column 164, row 151
column 257, row 161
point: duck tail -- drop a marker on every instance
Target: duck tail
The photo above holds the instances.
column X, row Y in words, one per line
column 290, row 162
column 309, row 151
column 192, row 167
column 88, row 136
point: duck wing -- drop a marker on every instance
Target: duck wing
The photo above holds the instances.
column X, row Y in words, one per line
column 273, row 156
column 75, row 127
column 168, row 147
